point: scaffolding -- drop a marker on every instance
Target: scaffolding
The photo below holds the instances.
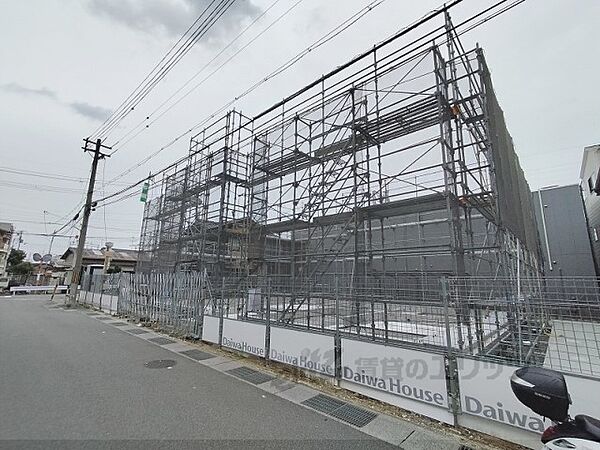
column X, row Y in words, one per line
column 395, row 169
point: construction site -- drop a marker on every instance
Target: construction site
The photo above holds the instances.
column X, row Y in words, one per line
column 369, row 185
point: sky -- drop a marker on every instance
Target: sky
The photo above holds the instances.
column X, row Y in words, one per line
column 66, row 64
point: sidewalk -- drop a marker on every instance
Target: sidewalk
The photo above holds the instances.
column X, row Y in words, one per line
column 384, row 422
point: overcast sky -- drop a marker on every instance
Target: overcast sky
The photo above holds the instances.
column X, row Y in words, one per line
column 65, row 64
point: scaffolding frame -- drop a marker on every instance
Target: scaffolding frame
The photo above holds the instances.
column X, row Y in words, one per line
column 386, row 170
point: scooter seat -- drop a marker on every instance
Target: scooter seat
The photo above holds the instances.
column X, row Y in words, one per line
column 589, row 424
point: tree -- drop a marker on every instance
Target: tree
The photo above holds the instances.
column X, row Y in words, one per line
column 114, row 269
column 16, row 263
column 22, row 268
column 15, row 257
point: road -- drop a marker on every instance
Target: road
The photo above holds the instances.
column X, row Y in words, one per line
column 70, row 381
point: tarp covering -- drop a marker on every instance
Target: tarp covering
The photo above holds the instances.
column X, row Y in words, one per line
column 514, row 195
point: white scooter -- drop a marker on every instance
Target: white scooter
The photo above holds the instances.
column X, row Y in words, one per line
column 545, row 392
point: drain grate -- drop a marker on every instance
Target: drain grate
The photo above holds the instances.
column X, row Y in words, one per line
column 160, row 364
column 323, row 403
column 104, row 318
column 465, row 447
column 162, row 340
column 137, row 331
column 250, row 375
column 197, row 354
column 120, row 324
column 93, row 314
column 353, row 415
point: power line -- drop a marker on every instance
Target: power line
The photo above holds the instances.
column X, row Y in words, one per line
column 222, row 51
column 135, row 98
column 122, row 105
column 36, row 174
column 39, row 187
column 357, row 58
column 210, row 75
column 142, row 90
column 287, row 65
column 37, row 222
column 73, row 235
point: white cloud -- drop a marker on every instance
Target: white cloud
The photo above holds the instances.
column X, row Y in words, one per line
column 84, row 109
column 16, row 88
column 90, row 111
column 173, row 17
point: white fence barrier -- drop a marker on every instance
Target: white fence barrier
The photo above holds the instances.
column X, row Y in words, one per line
column 210, row 329
column 489, row 405
column 245, row 337
column 101, row 300
column 307, row 351
column 410, row 379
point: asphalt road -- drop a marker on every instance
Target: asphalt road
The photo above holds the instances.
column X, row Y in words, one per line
column 70, row 381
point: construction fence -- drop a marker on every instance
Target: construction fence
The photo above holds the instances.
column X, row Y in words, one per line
column 553, row 322
column 441, row 346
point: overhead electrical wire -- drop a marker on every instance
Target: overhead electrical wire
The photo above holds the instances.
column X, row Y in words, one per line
column 216, row 57
column 155, row 70
column 36, row 174
column 426, row 17
column 343, row 26
column 210, row 75
column 62, row 235
column 37, row 222
column 199, row 28
column 39, row 187
column 327, row 37
column 123, row 192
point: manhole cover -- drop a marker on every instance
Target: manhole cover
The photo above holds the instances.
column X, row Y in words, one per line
column 104, row 318
column 160, row 364
column 119, row 324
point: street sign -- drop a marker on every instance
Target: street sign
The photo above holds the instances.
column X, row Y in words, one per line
column 144, row 195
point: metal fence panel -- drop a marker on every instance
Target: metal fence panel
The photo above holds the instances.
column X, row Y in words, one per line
column 554, row 322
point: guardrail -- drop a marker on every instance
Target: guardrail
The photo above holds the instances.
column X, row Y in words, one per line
column 39, row 289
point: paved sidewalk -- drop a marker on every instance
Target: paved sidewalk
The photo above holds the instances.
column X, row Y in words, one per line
column 200, row 393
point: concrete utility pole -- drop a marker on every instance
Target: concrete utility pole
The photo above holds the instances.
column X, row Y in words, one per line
column 87, row 209
column 19, row 240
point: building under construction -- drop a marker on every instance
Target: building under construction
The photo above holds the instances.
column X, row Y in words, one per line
column 392, row 170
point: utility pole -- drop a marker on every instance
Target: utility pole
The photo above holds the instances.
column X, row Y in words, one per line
column 87, row 209
column 19, row 240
